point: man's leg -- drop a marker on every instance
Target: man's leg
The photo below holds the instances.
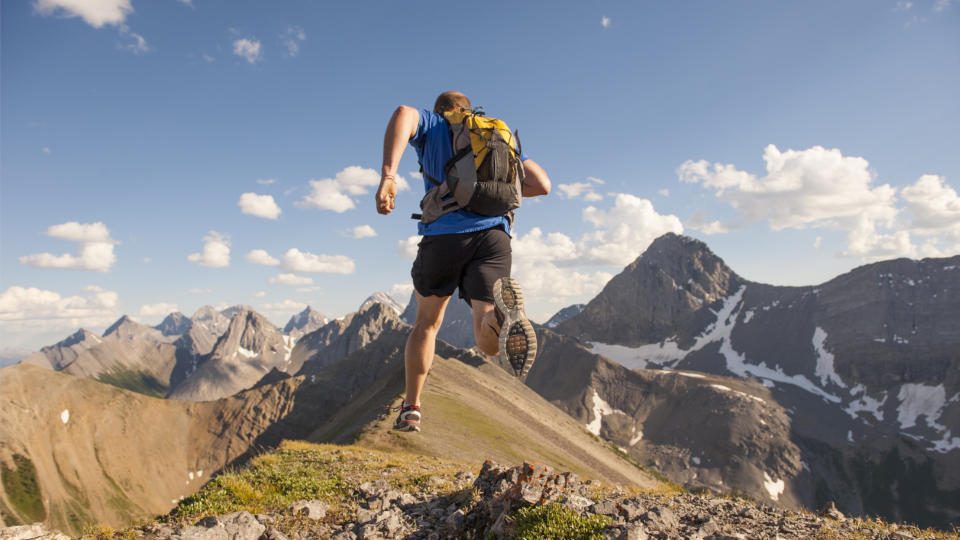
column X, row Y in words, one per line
column 485, row 327
column 418, row 354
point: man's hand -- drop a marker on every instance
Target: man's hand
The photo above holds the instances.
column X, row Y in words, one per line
column 386, row 194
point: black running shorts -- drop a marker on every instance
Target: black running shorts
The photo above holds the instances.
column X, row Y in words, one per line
column 471, row 261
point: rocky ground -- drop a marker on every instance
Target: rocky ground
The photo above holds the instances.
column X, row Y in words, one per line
column 529, row 501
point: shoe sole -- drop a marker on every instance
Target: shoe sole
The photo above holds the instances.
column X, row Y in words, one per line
column 518, row 340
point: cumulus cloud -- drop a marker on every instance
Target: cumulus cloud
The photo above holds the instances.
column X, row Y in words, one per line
column 291, row 38
column 96, row 13
column 408, row 248
column 813, row 187
column 625, row 231
column 290, row 279
column 260, row 256
column 295, row 260
column 95, row 251
column 605, row 21
column 699, row 221
column 281, row 311
column 248, row 49
column 581, row 189
column 337, row 193
column 216, row 251
column 933, row 205
column 259, row 205
column 157, row 311
column 816, row 187
column 401, row 292
column 31, row 309
column 363, row 231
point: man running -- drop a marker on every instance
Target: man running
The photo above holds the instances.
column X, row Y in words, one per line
column 460, row 249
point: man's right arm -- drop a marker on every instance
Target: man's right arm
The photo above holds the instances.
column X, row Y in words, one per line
column 401, row 128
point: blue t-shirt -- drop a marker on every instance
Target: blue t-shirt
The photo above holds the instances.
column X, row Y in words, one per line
column 434, row 149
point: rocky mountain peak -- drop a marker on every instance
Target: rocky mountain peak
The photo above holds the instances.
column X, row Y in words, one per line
column 564, row 314
column 211, row 319
column 127, row 329
column 660, row 293
column 305, row 322
column 174, row 324
column 79, row 336
column 250, row 330
column 381, row 298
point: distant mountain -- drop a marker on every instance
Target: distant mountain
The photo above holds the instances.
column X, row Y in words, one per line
column 214, row 322
column 247, row 351
column 326, row 346
column 127, row 329
column 564, row 314
column 382, row 298
column 174, row 324
column 457, row 328
column 304, row 322
column 868, row 364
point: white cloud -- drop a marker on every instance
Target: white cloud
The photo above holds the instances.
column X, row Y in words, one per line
column 46, row 150
column 584, row 189
column 207, row 58
column 815, row 187
column 135, row 43
column 817, row 242
column 903, row 5
column 605, row 21
column 401, row 292
column 216, row 251
column 408, row 248
column 248, row 49
column 259, row 294
column 315, row 288
column 625, row 231
column 291, row 39
column 664, row 192
column 337, row 193
column 197, row 290
column 933, row 204
column 281, row 311
column 297, row 261
column 534, row 248
column 700, row 222
column 96, row 13
column 259, row 205
column 157, row 311
column 95, row 252
column 266, row 181
column 260, row 256
column 290, row 279
column 363, row 231
column 31, row 309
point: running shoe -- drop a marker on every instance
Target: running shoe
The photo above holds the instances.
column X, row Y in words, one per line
column 409, row 418
column 518, row 341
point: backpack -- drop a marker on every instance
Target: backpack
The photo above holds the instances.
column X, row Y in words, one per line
column 484, row 176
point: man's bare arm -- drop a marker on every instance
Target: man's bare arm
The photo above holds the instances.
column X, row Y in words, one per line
column 535, row 179
column 401, row 128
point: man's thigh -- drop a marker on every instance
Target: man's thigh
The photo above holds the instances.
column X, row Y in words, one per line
column 491, row 260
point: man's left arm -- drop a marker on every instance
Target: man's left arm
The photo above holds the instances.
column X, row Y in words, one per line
column 535, row 179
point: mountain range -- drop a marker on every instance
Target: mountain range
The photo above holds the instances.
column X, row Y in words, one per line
column 848, row 391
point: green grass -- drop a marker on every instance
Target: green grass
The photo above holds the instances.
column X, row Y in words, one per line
column 22, row 489
column 302, row 471
column 555, row 521
column 135, row 381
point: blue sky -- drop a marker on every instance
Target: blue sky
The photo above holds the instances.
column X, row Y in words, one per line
column 166, row 155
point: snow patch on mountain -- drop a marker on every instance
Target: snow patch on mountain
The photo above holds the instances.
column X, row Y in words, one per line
column 825, row 369
column 865, row 403
column 600, row 408
column 918, row 400
column 774, row 487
